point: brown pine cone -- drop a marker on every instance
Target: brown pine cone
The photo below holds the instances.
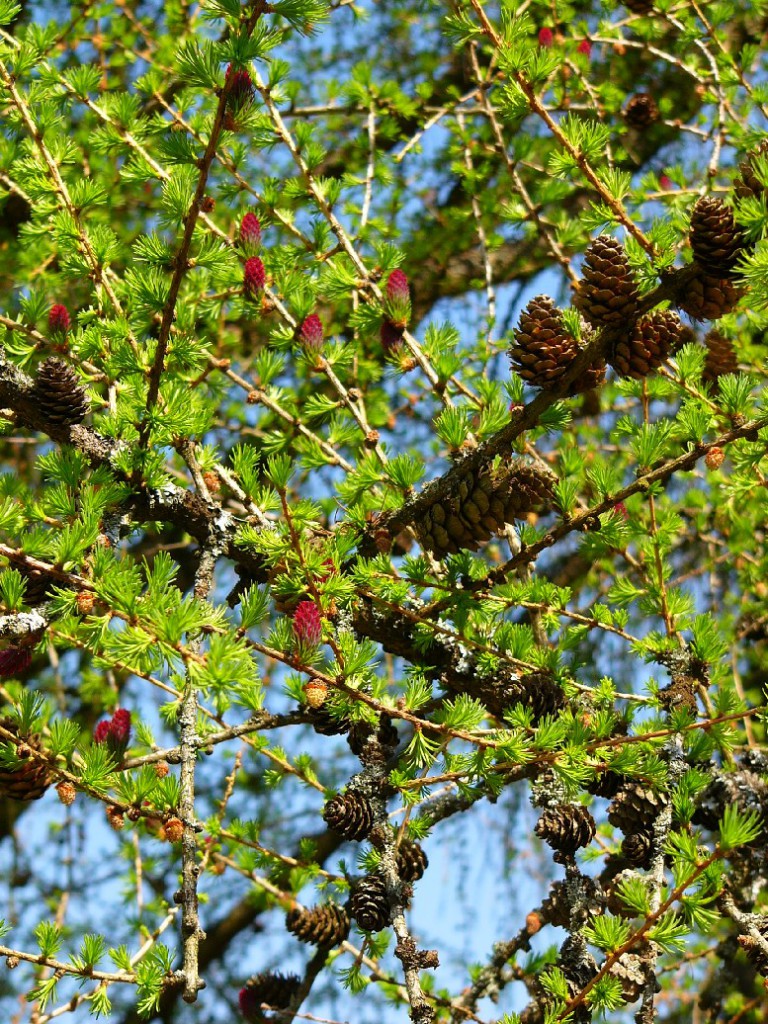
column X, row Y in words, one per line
column 411, row 861
column 709, row 298
column 22, row 776
column 716, row 240
column 59, row 394
column 538, row 691
column 385, row 732
column 39, row 586
column 368, row 903
column 323, row 722
column 755, row 954
column 350, row 814
column 639, row 6
column 606, row 784
column 637, row 849
column 566, row 828
column 543, row 349
column 608, row 292
column 325, row 926
column 721, row 357
column 641, row 111
column 653, row 338
column 276, row 990
column 635, row 808
column 748, row 184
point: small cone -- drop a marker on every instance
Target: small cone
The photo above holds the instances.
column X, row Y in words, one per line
column 607, row 784
column 349, row 814
column 749, row 184
column 721, row 357
column 543, row 350
column 326, row 926
column 641, row 111
column 368, row 904
column 276, row 990
column 608, row 292
column 755, row 954
column 637, row 849
column 411, row 861
column 632, row 971
column 538, row 691
column 653, row 338
column 639, row 6
column 716, row 240
column 566, row 828
column 28, row 778
column 635, row 808
column 59, row 394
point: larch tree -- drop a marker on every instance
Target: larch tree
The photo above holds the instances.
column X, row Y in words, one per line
column 383, row 428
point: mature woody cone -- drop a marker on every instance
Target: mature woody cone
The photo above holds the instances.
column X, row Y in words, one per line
column 411, row 861
column 606, row 784
column 639, row 6
column 59, row 394
column 721, row 357
column 320, row 926
column 566, row 828
column 749, row 184
column 635, row 808
column 755, row 954
column 538, row 691
column 276, row 990
column 636, row 849
column 350, row 814
column 579, row 968
column 608, row 292
column 543, row 349
column 709, row 298
column 30, row 778
column 368, row 903
column 716, row 240
column 360, row 732
column 39, row 586
column 641, row 111
column 484, row 501
column 324, row 723
column 653, row 338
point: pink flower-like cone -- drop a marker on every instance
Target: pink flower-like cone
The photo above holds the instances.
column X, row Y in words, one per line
column 311, row 333
column 241, row 90
column 115, row 732
column 58, row 320
column 307, row 624
column 254, row 277
column 397, row 299
column 546, row 37
column 584, row 47
column 250, row 234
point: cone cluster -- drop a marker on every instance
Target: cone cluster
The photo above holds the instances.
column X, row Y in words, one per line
column 652, row 340
column 276, row 990
column 30, row 778
column 483, row 502
column 608, row 292
column 350, row 814
column 720, row 358
column 566, row 828
column 326, row 926
column 641, row 111
column 368, row 903
column 411, row 861
column 59, row 394
column 635, row 808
